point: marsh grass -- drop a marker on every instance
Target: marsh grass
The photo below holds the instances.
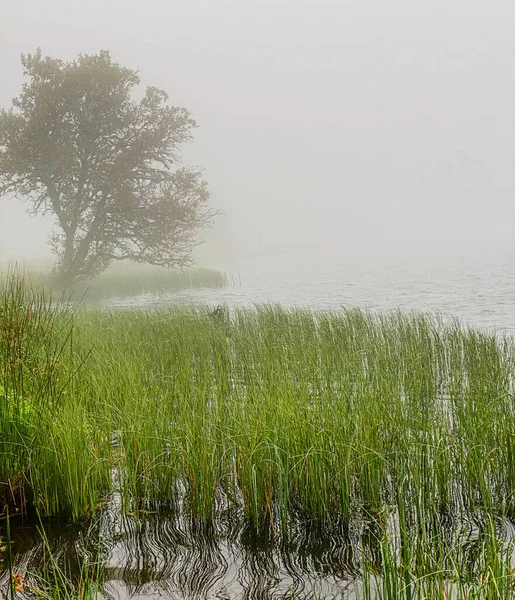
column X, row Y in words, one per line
column 278, row 414
column 125, row 280
column 133, row 280
column 293, row 411
column 56, row 581
column 408, row 567
column 46, row 440
column 283, row 411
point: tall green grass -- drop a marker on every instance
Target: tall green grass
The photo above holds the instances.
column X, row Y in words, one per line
column 319, row 413
column 277, row 413
column 126, row 280
column 132, row 280
column 417, row 567
column 46, row 438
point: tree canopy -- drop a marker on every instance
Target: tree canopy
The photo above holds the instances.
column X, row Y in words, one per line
column 76, row 144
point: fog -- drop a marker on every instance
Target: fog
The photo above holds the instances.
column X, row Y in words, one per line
column 352, row 127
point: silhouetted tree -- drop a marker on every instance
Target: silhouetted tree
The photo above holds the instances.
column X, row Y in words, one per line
column 76, row 144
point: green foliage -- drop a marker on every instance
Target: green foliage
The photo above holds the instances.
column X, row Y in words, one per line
column 42, row 429
column 318, row 412
column 277, row 414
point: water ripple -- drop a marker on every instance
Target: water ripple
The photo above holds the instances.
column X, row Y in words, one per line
column 480, row 292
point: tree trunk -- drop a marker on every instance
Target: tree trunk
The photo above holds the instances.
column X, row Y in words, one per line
column 76, row 252
column 67, row 272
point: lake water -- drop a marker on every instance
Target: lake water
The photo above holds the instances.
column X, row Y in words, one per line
column 478, row 290
column 169, row 556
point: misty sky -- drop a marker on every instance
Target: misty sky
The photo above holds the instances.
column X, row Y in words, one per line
column 352, row 126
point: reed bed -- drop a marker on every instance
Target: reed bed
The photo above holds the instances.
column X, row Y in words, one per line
column 298, row 412
column 127, row 280
column 277, row 414
column 135, row 280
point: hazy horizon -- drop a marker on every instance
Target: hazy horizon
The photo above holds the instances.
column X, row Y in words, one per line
column 347, row 128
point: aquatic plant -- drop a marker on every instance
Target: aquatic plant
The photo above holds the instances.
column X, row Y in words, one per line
column 292, row 411
column 282, row 411
column 126, row 280
column 279, row 415
column 45, row 437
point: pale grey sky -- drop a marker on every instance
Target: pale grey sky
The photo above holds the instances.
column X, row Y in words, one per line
column 351, row 126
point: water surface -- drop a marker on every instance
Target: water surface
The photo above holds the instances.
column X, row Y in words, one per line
column 479, row 290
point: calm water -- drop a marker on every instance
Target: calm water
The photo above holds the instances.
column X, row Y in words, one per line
column 167, row 556
column 172, row 557
column 478, row 290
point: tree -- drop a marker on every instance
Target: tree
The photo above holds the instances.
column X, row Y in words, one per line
column 76, row 144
